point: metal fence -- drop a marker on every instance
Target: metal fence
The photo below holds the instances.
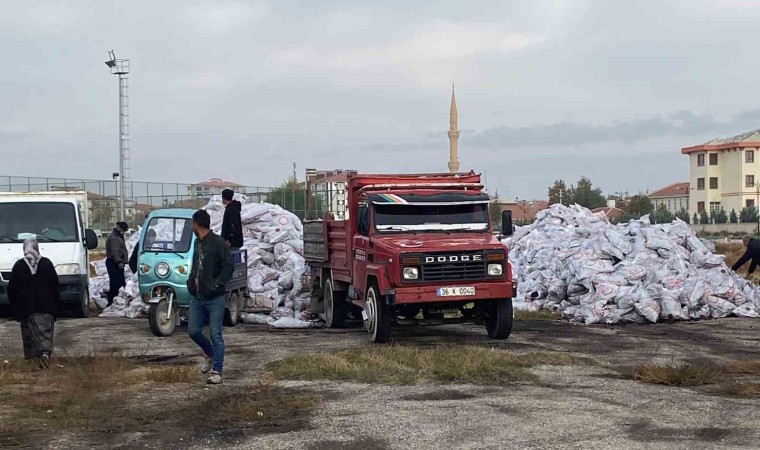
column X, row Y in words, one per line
column 104, row 204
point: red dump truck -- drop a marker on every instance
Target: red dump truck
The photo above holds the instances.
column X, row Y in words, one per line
column 414, row 249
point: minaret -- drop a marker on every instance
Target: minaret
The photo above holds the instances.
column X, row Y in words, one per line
column 453, row 135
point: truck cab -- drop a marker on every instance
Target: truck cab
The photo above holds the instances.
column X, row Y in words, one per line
column 57, row 221
column 416, row 249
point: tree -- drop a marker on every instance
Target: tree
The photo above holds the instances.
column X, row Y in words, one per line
column 557, row 192
column 639, row 205
column 695, row 219
column 292, row 197
column 103, row 213
column 720, row 216
column 748, row 214
column 662, row 215
column 733, row 217
column 704, row 219
column 683, row 215
column 495, row 210
column 585, row 194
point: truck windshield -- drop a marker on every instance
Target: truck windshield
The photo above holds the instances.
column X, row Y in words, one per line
column 455, row 217
column 166, row 234
column 43, row 221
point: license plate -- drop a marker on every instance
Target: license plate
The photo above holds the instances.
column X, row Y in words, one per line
column 455, row 291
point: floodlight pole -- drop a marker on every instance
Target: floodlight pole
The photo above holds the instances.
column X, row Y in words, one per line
column 120, row 67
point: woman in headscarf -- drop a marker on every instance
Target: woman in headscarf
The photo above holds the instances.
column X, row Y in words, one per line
column 34, row 295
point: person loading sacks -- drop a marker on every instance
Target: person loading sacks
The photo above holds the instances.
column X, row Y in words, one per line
column 752, row 253
column 232, row 228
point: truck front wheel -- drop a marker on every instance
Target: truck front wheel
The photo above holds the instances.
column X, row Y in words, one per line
column 335, row 306
column 499, row 319
column 377, row 318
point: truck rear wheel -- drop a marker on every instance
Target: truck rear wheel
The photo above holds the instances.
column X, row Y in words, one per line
column 335, row 306
column 499, row 319
column 377, row 318
column 232, row 310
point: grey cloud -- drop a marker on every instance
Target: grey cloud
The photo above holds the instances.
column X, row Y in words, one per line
column 573, row 133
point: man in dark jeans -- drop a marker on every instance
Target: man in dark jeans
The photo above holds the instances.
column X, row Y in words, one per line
column 752, row 253
column 232, row 228
column 211, row 271
column 116, row 259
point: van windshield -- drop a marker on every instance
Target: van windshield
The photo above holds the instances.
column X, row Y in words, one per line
column 434, row 217
column 166, row 234
column 43, row 221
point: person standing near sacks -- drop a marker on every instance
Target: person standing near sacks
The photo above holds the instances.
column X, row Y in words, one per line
column 751, row 254
column 116, row 258
column 232, row 227
column 34, row 295
column 211, row 271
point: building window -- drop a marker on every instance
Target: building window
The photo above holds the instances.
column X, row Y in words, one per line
column 713, row 159
column 713, row 182
column 749, row 156
column 701, row 160
column 749, row 180
column 700, row 207
column 714, row 207
column 700, row 184
column 749, row 203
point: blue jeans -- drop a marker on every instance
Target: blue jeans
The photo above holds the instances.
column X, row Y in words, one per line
column 213, row 312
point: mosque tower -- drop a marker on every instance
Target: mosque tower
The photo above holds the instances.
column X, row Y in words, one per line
column 453, row 135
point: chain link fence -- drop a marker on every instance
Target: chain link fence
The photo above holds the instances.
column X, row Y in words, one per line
column 104, row 201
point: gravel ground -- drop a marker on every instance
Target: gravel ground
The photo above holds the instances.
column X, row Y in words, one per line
column 571, row 407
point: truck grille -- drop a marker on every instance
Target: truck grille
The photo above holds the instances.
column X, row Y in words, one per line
column 453, row 270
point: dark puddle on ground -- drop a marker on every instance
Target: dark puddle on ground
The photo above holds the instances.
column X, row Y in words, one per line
column 438, row 396
column 646, row 431
column 365, row 443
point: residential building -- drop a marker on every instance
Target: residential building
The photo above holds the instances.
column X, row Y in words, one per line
column 724, row 173
column 214, row 186
column 610, row 211
column 523, row 211
column 674, row 197
column 329, row 186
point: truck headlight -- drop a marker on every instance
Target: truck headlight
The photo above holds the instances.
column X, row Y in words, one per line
column 411, row 273
column 495, row 270
column 162, row 269
column 67, row 269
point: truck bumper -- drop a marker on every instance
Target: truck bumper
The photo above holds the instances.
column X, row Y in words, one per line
column 429, row 294
column 72, row 290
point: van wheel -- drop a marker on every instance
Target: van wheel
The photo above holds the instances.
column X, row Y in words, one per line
column 335, row 306
column 377, row 316
column 232, row 311
column 499, row 319
column 160, row 323
column 82, row 309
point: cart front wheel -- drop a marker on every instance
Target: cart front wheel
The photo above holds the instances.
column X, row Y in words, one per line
column 232, row 310
column 161, row 324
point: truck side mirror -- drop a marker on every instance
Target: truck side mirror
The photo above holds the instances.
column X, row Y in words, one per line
column 90, row 239
column 506, row 223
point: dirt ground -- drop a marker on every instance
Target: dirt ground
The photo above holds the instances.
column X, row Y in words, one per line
column 583, row 406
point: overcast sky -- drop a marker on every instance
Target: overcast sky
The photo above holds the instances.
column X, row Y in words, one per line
column 241, row 90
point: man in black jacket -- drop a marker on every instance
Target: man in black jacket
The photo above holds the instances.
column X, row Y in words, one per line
column 150, row 238
column 752, row 253
column 116, row 258
column 211, row 271
column 232, row 228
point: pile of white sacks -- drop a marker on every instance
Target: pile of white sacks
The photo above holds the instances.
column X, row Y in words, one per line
column 273, row 238
column 573, row 261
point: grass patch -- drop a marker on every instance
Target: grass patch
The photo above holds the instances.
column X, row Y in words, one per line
column 742, row 390
column 109, row 393
column 542, row 314
column 745, row 366
column 683, row 374
column 404, row 365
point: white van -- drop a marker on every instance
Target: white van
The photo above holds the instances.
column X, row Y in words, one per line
column 57, row 220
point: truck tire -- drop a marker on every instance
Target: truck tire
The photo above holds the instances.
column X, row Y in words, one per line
column 160, row 324
column 232, row 310
column 499, row 319
column 378, row 321
column 335, row 306
column 82, row 309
